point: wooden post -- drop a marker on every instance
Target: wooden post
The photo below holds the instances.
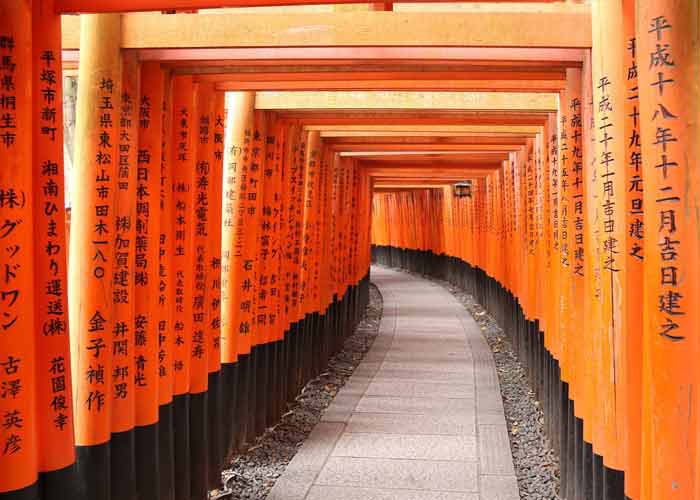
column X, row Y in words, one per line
column 54, row 401
column 19, row 459
column 609, row 95
column 147, row 221
column 183, row 136
column 217, row 446
column 126, row 369
column 591, row 311
column 199, row 214
column 166, row 299
column 236, row 265
column 91, row 257
column 634, row 284
column 667, row 48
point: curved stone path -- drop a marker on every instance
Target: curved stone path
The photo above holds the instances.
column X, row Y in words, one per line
column 420, row 419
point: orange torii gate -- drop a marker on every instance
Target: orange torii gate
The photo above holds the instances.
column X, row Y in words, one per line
column 546, row 201
column 580, row 223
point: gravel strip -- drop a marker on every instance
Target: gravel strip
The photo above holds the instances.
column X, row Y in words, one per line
column 253, row 474
column 536, row 464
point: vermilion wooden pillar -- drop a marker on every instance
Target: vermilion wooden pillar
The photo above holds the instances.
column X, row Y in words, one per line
column 166, row 298
column 203, row 130
column 217, row 447
column 590, row 309
column 310, row 221
column 147, row 222
column 91, row 256
column 183, row 154
column 634, row 285
column 54, row 403
column 236, row 261
column 609, row 95
column 19, row 458
column 254, row 148
column 669, row 59
column 127, row 327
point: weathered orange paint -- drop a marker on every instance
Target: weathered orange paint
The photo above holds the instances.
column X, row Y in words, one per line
column 667, row 32
column 147, row 222
column 54, row 409
column 17, row 320
column 91, row 257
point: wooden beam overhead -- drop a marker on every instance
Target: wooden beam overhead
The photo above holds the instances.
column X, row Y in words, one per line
column 92, row 6
column 366, row 100
column 426, row 84
column 434, row 175
column 351, row 149
column 426, row 117
column 382, row 133
column 404, row 141
column 407, row 184
column 524, row 57
column 369, row 129
column 404, row 71
column 437, row 159
column 412, row 153
column 432, row 171
column 476, row 28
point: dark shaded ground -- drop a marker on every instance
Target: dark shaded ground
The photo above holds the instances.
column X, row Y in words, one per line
column 252, row 474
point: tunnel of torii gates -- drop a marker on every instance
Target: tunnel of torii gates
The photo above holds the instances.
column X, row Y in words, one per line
column 231, row 171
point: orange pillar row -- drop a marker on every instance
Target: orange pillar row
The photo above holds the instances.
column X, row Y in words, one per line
column 146, row 222
column 312, row 191
column 91, row 255
column 634, row 254
column 237, row 261
column 183, row 137
column 267, row 309
column 19, row 458
column 54, row 401
column 286, row 223
column 667, row 48
column 609, row 95
column 215, row 404
column 165, row 312
column 202, row 129
column 127, row 328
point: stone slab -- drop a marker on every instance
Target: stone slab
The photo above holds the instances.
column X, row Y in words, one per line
column 414, row 406
column 405, row 446
column 457, row 424
column 498, row 488
column 404, row 474
column 354, row 493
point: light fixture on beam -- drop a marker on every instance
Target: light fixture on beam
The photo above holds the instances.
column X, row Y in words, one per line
column 463, row 189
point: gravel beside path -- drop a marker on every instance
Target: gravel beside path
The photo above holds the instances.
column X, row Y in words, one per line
column 251, row 475
column 536, row 464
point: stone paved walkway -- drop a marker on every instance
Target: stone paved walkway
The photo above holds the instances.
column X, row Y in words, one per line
column 420, row 419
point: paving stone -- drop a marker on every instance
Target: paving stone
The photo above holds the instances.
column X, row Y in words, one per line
column 405, row 446
column 498, row 488
column 405, row 474
column 418, row 362
column 387, row 423
column 416, row 406
column 354, row 493
column 486, row 379
column 424, row 375
column 293, row 485
column 317, row 447
column 400, row 388
column 404, row 427
column 494, row 450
